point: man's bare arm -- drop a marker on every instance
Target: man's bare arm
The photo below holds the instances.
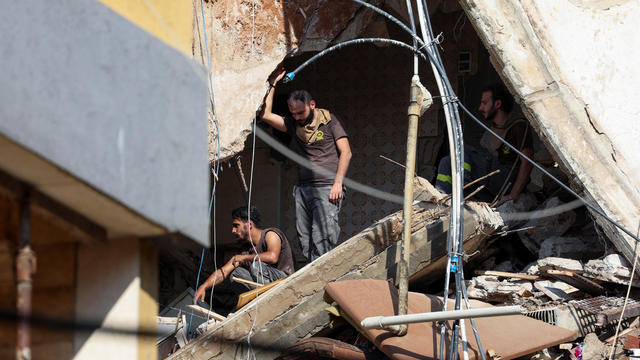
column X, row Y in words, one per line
column 215, row 279
column 276, row 121
column 274, row 244
column 344, row 158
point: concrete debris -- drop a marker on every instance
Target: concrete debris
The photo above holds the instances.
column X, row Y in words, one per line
column 593, row 348
column 202, row 328
column 571, row 247
column 543, row 228
column 489, row 288
column 370, row 254
column 532, row 269
column 555, row 290
column 617, row 261
column 581, row 282
column 612, row 268
column 556, row 263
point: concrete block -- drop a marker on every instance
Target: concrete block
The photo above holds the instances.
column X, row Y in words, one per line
column 557, row 263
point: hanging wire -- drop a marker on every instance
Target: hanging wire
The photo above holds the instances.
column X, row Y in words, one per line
column 626, row 298
column 250, row 351
column 289, row 76
column 257, row 257
column 217, row 163
column 197, row 282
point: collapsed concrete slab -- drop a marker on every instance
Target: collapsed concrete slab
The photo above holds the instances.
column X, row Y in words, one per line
column 579, row 98
column 295, row 309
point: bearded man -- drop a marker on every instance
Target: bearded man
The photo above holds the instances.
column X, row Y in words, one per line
column 268, row 260
column 496, row 105
column 318, row 136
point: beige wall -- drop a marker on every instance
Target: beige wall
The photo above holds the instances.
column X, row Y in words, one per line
column 111, row 282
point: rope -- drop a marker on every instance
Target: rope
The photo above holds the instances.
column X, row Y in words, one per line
column 257, row 257
column 197, row 282
column 626, row 298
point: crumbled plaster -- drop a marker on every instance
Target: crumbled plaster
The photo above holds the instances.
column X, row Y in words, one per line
column 247, row 40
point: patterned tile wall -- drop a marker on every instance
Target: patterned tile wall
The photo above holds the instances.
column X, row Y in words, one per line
column 368, row 87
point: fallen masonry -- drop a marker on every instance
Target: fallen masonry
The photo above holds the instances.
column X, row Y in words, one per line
column 295, row 309
column 584, row 296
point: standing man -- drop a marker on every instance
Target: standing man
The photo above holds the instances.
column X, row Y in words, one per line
column 273, row 251
column 320, row 138
column 495, row 106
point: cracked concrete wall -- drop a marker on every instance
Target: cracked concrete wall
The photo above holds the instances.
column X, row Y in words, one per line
column 246, row 40
column 572, row 65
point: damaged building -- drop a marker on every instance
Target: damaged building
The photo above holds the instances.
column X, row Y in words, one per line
column 565, row 266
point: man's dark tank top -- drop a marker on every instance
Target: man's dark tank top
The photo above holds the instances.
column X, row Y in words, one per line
column 285, row 260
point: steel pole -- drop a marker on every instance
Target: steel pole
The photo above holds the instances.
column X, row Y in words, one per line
column 415, row 101
column 380, row 322
column 25, row 268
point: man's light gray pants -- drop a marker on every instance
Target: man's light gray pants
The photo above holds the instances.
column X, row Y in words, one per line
column 259, row 272
column 316, row 220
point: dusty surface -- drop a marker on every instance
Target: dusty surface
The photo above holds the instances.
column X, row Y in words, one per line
column 294, row 308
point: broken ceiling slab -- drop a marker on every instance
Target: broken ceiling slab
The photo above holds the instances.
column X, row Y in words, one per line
column 247, row 41
column 577, row 97
column 525, row 335
column 275, row 317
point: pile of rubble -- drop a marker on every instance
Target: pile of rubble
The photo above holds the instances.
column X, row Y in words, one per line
column 578, row 282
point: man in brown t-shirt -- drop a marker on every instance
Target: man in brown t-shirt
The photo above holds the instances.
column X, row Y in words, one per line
column 319, row 137
column 273, row 260
column 496, row 106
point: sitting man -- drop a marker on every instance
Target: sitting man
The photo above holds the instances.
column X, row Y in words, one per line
column 273, row 260
column 496, row 105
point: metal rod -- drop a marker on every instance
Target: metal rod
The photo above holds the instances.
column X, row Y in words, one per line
column 380, row 322
column 237, row 169
column 248, row 282
column 412, row 138
column 467, row 185
column 25, row 268
column 477, row 190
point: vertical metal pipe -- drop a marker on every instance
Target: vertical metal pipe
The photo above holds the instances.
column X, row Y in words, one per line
column 412, row 136
column 25, row 268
